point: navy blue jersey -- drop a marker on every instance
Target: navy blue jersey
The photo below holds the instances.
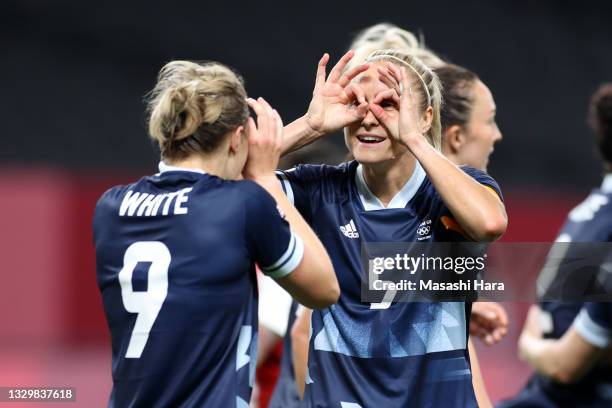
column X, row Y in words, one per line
column 590, row 221
column 594, row 323
column 383, row 354
column 175, row 257
column 285, row 393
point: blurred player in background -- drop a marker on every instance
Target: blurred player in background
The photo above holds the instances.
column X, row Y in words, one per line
column 566, row 351
column 368, row 354
column 176, row 251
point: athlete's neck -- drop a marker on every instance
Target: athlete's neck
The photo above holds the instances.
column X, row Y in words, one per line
column 387, row 178
column 212, row 164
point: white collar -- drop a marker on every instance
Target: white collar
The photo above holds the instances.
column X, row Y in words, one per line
column 400, row 200
column 606, row 185
column 163, row 167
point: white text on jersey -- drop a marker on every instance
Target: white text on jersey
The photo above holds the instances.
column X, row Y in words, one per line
column 149, row 205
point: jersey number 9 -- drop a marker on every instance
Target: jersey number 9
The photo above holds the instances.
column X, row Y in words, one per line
column 147, row 303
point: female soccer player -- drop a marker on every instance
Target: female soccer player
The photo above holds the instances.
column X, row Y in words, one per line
column 568, row 359
column 387, row 354
column 469, row 132
column 559, row 340
column 176, row 251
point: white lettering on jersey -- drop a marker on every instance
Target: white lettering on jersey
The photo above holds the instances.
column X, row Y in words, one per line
column 586, row 211
column 148, row 205
column 130, row 202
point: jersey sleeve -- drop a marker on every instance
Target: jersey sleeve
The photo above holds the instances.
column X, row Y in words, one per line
column 301, row 184
column 454, row 231
column 273, row 246
column 484, row 179
column 594, row 323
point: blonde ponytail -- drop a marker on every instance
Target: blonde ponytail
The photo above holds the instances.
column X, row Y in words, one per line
column 193, row 106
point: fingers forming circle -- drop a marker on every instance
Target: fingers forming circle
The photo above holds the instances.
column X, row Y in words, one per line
column 352, row 73
column 336, row 71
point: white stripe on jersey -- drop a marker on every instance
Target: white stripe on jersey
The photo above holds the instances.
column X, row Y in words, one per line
column 286, row 186
column 591, row 331
column 288, row 261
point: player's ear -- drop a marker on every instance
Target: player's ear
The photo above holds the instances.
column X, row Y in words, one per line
column 426, row 119
column 237, row 138
column 454, row 138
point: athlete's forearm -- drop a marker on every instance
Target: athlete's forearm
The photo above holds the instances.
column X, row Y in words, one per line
column 482, row 397
column 565, row 360
column 299, row 349
column 298, row 134
column 541, row 354
column 476, row 208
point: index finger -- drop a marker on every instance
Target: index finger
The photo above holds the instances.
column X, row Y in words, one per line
column 320, row 78
column 279, row 128
column 266, row 105
column 404, row 79
column 336, row 71
column 394, row 71
column 352, row 73
column 251, row 129
column 388, row 79
column 262, row 116
column 388, row 93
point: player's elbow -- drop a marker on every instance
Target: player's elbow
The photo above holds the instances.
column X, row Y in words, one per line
column 328, row 296
column 327, row 287
column 491, row 228
column 562, row 370
column 564, row 375
column 496, row 227
column 334, row 291
column 313, row 283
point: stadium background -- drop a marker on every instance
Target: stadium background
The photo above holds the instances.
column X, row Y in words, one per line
column 73, row 75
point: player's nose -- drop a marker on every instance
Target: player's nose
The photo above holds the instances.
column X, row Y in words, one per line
column 369, row 119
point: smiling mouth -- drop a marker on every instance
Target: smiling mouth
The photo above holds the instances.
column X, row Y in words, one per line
column 370, row 139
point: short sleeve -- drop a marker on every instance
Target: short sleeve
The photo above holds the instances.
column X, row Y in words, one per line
column 300, row 184
column 452, row 230
column 275, row 248
column 484, row 179
column 594, row 323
